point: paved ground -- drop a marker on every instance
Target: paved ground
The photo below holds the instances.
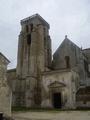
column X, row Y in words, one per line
column 53, row 115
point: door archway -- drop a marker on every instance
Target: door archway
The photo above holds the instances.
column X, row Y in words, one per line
column 56, row 99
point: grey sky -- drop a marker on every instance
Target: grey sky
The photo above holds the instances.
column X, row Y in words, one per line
column 71, row 17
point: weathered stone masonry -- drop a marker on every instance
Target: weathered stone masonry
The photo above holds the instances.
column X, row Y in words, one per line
column 5, row 91
column 39, row 81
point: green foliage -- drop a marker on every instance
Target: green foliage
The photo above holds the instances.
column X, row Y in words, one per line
column 34, row 109
column 25, row 109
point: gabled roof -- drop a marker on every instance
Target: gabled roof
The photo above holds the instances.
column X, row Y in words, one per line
column 4, row 58
column 34, row 16
column 66, row 40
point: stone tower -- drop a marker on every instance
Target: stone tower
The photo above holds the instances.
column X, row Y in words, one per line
column 34, row 57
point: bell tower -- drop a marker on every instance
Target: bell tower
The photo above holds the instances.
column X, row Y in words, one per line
column 34, row 57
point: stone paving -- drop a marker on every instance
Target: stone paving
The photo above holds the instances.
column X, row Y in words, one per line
column 54, row 115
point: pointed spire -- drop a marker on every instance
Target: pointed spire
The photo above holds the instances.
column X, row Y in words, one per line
column 65, row 36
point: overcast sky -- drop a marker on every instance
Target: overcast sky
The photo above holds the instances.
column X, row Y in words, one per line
column 66, row 17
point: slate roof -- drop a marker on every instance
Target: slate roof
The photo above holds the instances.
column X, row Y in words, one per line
column 63, row 42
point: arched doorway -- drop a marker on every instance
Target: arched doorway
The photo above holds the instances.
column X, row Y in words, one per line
column 56, row 96
column 56, row 99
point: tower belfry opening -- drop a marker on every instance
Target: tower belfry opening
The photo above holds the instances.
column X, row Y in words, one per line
column 29, row 39
column 31, row 25
column 27, row 28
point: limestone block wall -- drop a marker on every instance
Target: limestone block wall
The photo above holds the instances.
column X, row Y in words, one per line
column 81, row 104
column 18, row 87
column 5, row 100
column 68, row 92
column 12, row 81
column 5, row 91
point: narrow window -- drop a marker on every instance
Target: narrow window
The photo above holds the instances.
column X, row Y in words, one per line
column 29, row 39
column 86, row 66
column 67, row 60
column 45, row 41
column 31, row 27
column 27, row 28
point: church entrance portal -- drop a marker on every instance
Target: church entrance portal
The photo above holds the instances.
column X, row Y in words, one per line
column 57, row 100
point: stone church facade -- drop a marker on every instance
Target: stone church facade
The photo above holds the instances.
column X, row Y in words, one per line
column 39, row 81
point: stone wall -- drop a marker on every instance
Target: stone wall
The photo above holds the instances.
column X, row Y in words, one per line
column 18, row 88
column 87, row 54
column 12, row 81
column 83, row 97
column 5, row 91
column 65, row 82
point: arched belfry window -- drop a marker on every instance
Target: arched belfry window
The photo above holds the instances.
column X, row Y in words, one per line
column 31, row 25
column 29, row 39
column 67, row 61
column 27, row 28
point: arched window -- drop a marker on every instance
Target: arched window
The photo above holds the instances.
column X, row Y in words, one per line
column 27, row 28
column 67, row 60
column 31, row 25
column 29, row 39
